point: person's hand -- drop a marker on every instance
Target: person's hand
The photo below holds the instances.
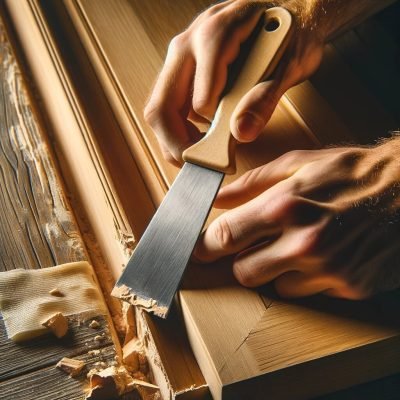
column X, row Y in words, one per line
column 314, row 221
column 195, row 72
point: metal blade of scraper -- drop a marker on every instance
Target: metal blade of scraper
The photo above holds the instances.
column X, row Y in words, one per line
column 167, row 244
column 154, row 272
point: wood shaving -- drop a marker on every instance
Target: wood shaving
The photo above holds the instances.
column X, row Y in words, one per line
column 114, row 378
column 94, row 324
column 56, row 292
column 71, row 366
column 57, row 324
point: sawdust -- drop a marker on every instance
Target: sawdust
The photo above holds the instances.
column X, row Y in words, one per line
column 123, row 292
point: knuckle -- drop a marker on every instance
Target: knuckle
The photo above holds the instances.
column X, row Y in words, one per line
column 349, row 157
column 245, row 276
column 289, row 205
column 178, row 42
column 211, row 26
column 292, row 156
column 307, row 243
column 169, row 157
column 152, row 113
column 223, row 234
column 347, row 161
column 202, row 105
column 250, row 177
column 351, row 292
column 210, row 11
column 207, row 29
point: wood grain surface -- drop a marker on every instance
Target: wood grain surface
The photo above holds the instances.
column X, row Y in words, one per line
column 37, row 230
column 52, row 383
column 46, row 351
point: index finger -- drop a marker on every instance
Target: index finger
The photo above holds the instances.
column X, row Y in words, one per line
column 167, row 109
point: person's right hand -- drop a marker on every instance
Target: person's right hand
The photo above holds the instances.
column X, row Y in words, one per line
column 195, row 72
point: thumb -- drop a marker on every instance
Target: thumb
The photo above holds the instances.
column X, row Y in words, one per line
column 255, row 109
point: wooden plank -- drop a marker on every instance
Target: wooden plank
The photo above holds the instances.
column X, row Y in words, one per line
column 18, row 359
column 73, row 136
column 51, row 383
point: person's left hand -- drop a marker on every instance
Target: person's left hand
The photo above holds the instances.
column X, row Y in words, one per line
column 314, row 221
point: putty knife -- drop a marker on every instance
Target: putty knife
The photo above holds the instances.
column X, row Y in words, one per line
column 153, row 274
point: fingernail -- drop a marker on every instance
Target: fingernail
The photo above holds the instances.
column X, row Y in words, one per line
column 249, row 126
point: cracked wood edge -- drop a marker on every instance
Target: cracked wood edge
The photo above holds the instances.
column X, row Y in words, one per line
column 29, row 40
column 37, row 227
column 82, row 135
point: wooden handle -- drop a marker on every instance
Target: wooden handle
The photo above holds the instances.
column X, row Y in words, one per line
column 216, row 149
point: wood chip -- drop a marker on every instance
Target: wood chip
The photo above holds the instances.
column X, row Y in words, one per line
column 94, row 324
column 115, row 378
column 56, row 292
column 130, row 354
column 71, row 366
column 58, row 324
